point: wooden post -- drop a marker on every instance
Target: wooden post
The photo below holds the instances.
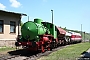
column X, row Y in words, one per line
column 84, row 36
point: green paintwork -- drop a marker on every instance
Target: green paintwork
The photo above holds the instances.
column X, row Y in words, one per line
column 38, row 21
column 51, row 28
column 30, row 30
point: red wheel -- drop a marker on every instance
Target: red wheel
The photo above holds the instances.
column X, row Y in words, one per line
column 48, row 48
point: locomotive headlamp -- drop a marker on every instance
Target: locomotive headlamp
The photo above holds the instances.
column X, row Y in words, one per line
column 19, row 43
column 27, row 43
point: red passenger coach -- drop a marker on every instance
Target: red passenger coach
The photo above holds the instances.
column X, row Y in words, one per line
column 76, row 37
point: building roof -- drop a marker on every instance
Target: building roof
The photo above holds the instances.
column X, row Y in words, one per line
column 13, row 13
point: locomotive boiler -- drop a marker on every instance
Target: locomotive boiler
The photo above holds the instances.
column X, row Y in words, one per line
column 32, row 30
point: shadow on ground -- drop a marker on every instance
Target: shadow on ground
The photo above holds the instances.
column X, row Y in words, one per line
column 85, row 56
column 23, row 52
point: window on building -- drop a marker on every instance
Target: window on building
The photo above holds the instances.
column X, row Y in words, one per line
column 12, row 27
column 1, row 26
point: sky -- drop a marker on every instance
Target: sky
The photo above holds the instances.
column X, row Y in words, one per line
column 66, row 13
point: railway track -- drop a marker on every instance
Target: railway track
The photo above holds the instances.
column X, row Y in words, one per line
column 26, row 55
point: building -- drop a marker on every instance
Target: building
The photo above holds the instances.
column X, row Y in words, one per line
column 9, row 27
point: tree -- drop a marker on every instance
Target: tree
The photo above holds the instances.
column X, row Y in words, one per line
column 60, row 27
column 65, row 28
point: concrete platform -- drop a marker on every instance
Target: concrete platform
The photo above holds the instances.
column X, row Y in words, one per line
column 85, row 55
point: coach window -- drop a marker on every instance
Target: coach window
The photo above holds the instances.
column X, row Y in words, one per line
column 12, row 27
column 1, row 26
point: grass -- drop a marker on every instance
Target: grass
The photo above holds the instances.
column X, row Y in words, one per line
column 4, row 50
column 69, row 53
